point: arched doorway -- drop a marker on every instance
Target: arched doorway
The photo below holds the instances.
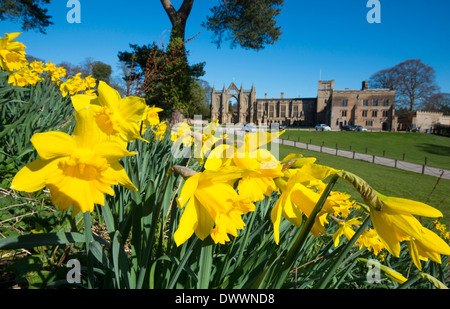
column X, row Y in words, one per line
column 233, row 105
column 233, row 109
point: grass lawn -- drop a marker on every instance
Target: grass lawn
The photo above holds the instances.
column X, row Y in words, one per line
column 388, row 181
column 415, row 146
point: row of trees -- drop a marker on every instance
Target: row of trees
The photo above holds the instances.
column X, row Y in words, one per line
column 415, row 85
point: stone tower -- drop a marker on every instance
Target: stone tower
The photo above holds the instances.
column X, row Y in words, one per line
column 324, row 92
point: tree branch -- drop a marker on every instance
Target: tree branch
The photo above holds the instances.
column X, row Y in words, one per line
column 170, row 10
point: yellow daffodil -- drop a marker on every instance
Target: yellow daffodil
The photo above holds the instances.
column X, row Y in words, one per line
column 430, row 246
column 211, row 128
column 211, row 206
column 395, row 222
column 12, row 61
column 345, row 228
column 9, row 42
column 73, row 85
column 78, row 170
column 301, row 188
column 369, row 239
column 248, row 155
column 12, row 54
column 23, row 77
column 90, row 82
column 205, row 140
column 181, row 132
column 442, row 228
column 37, row 66
column 160, row 130
column 294, row 201
column 118, row 118
column 150, row 116
column 55, row 72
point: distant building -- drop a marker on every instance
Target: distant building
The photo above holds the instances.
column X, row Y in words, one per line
column 422, row 121
column 370, row 108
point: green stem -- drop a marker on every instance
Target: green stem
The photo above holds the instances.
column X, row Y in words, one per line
column 323, row 283
column 409, row 282
column 150, row 240
column 88, row 239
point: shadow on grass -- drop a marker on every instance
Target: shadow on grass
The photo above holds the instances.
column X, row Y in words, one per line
column 435, row 149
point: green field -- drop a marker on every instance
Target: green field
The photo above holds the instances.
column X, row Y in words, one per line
column 414, row 146
column 388, row 181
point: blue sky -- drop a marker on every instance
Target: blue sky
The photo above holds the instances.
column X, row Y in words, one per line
column 321, row 38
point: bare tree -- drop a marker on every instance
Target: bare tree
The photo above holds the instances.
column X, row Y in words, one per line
column 439, row 102
column 414, row 82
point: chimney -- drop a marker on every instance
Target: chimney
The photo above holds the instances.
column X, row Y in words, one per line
column 265, row 96
column 365, row 85
column 282, row 95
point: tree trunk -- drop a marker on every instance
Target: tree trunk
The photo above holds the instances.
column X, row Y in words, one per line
column 178, row 18
column 176, row 117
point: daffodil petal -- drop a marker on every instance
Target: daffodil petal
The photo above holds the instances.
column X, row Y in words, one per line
column 108, row 96
column 112, row 151
column 118, row 173
column 385, row 229
column 188, row 223
column 402, row 205
column 132, row 108
column 188, row 190
column 205, row 222
column 50, row 145
column 275, row 216
column 86, row 132
column 32, row 177
column 81, row 101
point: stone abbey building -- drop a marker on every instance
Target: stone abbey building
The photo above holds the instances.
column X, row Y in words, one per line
column 370, row 108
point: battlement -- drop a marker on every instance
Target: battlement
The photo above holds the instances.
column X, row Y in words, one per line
column 326, row 85
column 430, row 113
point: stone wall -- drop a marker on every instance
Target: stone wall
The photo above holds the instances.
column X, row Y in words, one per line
column 426, row 121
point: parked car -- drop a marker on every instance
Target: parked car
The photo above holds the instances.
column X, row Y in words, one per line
column 323, row 127
column 277, row 126
column 346, row 128
column 359, row 128
column 249, row 128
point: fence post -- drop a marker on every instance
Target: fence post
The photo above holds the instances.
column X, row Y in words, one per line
column 423, row 166
column 336, row 149
column 404, row 156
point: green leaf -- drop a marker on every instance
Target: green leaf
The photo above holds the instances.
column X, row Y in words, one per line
column 42, row 239
column 205, row 263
